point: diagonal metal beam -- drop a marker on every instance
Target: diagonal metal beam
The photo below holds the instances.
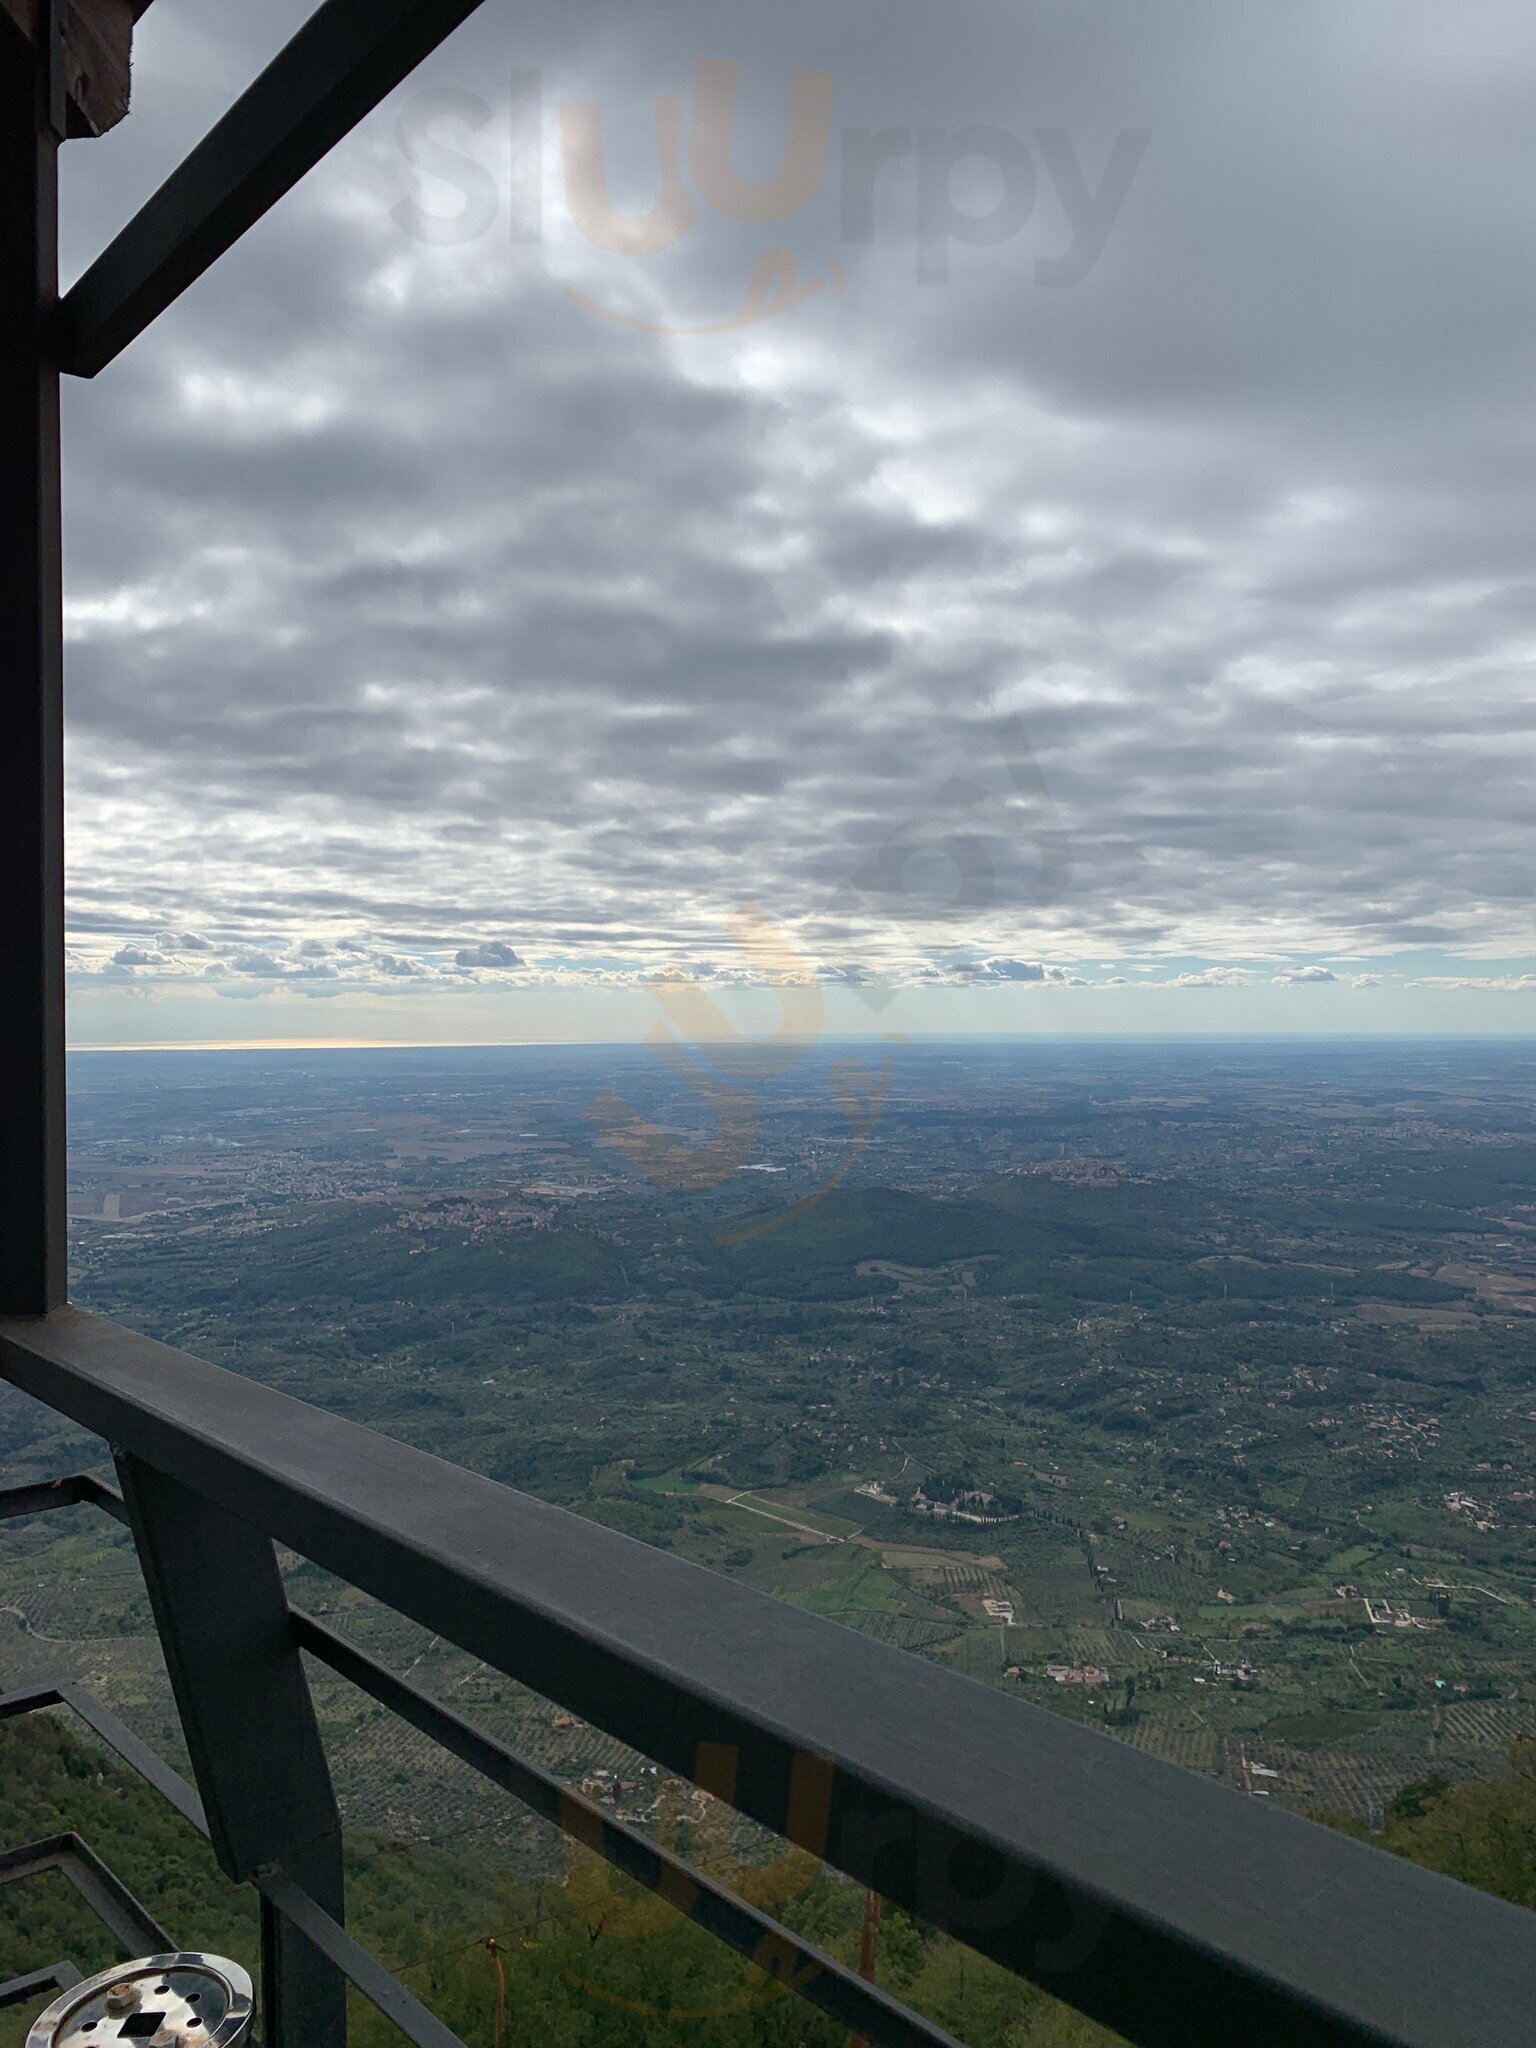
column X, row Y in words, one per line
column 797, row 1964
column 117, row 1736
column 805, row 1969
column 820, row 1978
column 113, row 1903
column 327, row 1934
column 225, row 1628
column 346, row 58
column 78, row 1489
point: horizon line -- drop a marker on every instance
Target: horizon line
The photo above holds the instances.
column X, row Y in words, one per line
column 748, row 1044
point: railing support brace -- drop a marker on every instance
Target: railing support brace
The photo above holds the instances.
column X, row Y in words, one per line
column 250, row 1726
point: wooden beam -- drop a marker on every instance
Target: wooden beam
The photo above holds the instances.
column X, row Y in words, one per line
column 98, row 45
column 98, row 55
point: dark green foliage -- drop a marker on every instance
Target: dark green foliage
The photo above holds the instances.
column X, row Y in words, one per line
column 586, row 1964
column 1325, row 1725
column 1260, row 1355
column 50, row 1783
column 1484, row 1834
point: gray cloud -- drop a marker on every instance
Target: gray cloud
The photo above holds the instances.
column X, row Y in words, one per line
column 1011, row 970
column 489, row 953
column 409, row 597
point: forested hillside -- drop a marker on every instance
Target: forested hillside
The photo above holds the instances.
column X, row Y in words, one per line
column 582, row 1963
column 591, row 1961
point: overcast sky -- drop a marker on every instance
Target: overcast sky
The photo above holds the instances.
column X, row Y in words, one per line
column 1083, row 582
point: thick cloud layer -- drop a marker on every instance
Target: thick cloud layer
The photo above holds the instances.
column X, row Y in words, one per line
column 978, row 621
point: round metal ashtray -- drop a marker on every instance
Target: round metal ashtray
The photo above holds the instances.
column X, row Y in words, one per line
column 178, row 2001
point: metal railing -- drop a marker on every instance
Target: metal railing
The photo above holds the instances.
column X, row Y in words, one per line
column 102, row 1890
column 821, row 1979
column 61, row 1976
column 1159, row 1902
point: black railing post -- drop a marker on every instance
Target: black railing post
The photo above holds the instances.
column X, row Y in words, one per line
column 33, row 1226
column 226, row 1630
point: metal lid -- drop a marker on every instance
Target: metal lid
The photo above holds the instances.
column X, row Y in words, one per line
column 175, row 2001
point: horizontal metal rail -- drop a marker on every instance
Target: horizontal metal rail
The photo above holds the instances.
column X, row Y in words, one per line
column 102, row 1889
column 1157, row 1901
column 79, row 1489
column 70, row 1854
column 369, row 1975
column 808, row 1971
column 336, row 69
column 22, row 1990
column 117, row 1736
